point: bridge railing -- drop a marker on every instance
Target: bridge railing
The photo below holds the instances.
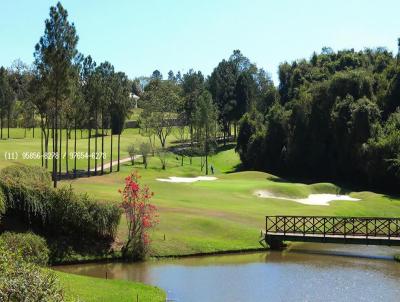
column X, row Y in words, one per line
column 340, row 226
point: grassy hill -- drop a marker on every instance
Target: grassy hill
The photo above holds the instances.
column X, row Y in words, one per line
column 224, row 214
column 200, row 217
column 208, row 216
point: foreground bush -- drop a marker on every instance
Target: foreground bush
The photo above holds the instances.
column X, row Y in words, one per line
column 26, row 190
column 2, row 203
column 24, row 281
column 141, row 216
column 32, row 248
column 79, row 216
column 69, row 221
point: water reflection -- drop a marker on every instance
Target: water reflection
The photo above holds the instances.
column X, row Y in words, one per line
column 303, row 272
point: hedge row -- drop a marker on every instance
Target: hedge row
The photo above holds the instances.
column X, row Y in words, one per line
column 56, row 212
column 78, row 215
column 27, row 190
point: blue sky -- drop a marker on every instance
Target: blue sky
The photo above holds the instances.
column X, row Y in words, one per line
column 141, row 36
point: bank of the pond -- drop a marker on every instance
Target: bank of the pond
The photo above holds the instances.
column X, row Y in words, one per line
column 77, row 259
column 216, row 253
column 91, row 289
column 117, row 256
column 337, row 270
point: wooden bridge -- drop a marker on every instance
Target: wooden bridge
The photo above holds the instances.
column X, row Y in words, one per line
column 327, row 229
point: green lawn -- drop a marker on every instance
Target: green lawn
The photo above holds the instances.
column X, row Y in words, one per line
column 88, row 289
column 199, row 217
column 224, row 214
column 213, row 215
column 20, row 144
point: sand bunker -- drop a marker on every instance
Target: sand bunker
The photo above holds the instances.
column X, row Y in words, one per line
column 312, row 199
column 186, row 179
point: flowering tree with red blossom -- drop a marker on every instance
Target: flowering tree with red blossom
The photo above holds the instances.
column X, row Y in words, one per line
column 140, row 214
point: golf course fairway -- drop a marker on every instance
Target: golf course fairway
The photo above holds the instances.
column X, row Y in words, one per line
column 223, row 214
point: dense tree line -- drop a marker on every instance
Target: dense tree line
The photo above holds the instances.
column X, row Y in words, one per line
column 64, row 91
column 206, row 108
column 336, row 117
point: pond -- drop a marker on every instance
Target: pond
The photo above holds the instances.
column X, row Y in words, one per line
column 303, row 272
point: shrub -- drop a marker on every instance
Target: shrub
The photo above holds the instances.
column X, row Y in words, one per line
column 26, row 190
column 30, row 176
column 79, row 216
column 31, row 247
column 132, row 151
column 24, row 281
column 2, row 203
column 145, row 149
column 68, row 220
column 141, row 216
column 163, row 156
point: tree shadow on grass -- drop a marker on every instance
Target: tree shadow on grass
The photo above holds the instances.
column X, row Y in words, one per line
column 341, row 189
column 392, row 196
column 226, row 147
column 237, row 168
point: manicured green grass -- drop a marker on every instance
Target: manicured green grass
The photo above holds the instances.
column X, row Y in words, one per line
column 201, row 217
column 224, row 214
column 18, row 144
column 88, row 289
column 215, row 215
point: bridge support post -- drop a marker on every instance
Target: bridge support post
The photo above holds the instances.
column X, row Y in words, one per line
column 274, row 243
